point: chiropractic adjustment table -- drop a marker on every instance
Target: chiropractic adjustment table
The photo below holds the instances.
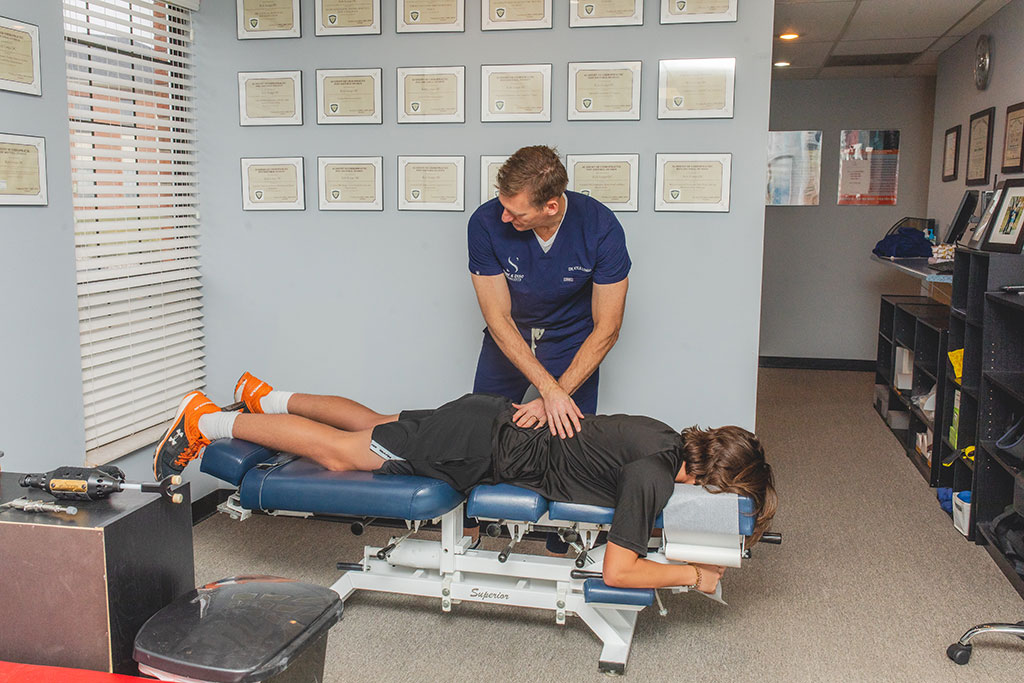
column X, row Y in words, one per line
column 450, row 569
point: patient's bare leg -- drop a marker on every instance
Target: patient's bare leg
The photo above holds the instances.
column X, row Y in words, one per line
column 337, row 411
column 335, row 449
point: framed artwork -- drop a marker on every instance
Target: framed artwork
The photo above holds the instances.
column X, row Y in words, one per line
column 951, row 154
column 267, row 19
column 430, row 16
column 978, row 235
column 1006, row 229
column 498, row 15
column 432, row 94
column 19, row 57
column 609, row 178
column 692, row 182
column 1013, row 139
column 350, row 183
column 979, row 147
column 431, row 183
column 270, row 98
column 348, row 96
column 696, row 88
column 489, row 166
column 584, row 13
column 22, row 170
column 273, row 184
column 697, row 11
column 515, row 92
column 347, row 17
column 604, row 91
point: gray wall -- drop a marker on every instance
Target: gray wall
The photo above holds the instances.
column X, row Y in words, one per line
column 956, row 98
column 821, row 289
column 41, row 416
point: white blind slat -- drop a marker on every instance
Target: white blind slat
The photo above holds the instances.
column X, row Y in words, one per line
column 193, row 348
column 94, row 238
column 153, row 8
column 85, row 67
column 139, row 386
column 96, row 288
column 136, row 247
column 117, row 353
column 121, row 348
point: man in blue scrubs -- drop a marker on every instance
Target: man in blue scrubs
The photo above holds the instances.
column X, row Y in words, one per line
column 550, row 271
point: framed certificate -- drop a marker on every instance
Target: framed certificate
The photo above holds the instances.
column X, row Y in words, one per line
column 697, row 11
column 608, row 91
column 696, row 88
column 979, row 147
column 431, row 183
column 515, row 92
column 22, row 170
column 432, row 94
column 350, row 183
column 270, row 98
column 609, row 178
column 1006, row 230
column 692, row 182
column 951, row 154
column 497, row 15
column 19, row 57
column 348, row 96
column 489, row 166
column 1013, row 140
column 606, row 13
column 267, row 19
column 273, row 184
column 347, row 17
column 427, row 16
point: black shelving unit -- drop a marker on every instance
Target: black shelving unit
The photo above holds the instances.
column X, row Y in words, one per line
column 918, row 324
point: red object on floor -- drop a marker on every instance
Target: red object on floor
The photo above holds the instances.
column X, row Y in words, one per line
column 30, row 673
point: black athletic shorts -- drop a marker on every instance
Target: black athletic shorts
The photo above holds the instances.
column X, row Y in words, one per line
column 453, row 443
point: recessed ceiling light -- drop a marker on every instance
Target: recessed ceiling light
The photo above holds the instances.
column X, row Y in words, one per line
column 781, row 63
column 789, row 36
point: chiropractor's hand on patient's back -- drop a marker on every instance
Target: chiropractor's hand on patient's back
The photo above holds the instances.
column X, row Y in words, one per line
column 530, row 414
column 563, row 414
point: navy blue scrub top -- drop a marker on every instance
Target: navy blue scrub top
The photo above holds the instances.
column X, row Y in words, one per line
column 551, row 291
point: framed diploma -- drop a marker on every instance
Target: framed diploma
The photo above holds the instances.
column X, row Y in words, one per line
column 608, row 91
column 951, row 154
column 1006, row 228
column 696, row 88
column 609, row 178
column 692, row 182
column 697, row 11
column 22, row 170
column 19, row 57
column 1013, row 140
column 348, row 95
column 273, row 184
column 489, row 166
column 606, row 13
column 426, row 16
column 497, row 15
column 515, row 92
column 431, row 183
column 351, row 183
column 270, row 98
column 979, row 147
column 267, row 19
column 432, row 94
column 347, row 17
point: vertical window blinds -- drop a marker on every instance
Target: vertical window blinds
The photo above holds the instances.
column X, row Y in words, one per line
column 133, row 151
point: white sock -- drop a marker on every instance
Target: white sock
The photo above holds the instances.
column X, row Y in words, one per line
column 217, row 425
column 276, row 402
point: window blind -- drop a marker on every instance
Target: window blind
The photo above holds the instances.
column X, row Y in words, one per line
column 135, row 198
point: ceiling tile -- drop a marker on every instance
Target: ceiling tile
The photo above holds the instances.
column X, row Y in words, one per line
column 975, row 18
column 802, row 54
column 859, row 71
column 793, row 73
column 929, row 57
column 877, row 19
column 945, row 43
column 882, row 47
column 919, row 70
column 814, row 21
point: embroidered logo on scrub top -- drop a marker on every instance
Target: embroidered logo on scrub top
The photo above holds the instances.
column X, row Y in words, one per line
column 516, row 276
column 580, row 269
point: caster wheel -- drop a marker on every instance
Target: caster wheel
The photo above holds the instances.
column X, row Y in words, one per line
column 961, row 654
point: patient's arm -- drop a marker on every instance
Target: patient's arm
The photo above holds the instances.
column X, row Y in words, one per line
column 623, row 568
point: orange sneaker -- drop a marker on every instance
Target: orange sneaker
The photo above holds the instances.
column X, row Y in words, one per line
column 250, row 390
column 183, row 442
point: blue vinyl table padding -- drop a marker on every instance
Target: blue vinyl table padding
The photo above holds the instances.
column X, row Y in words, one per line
column 506, row 502
column 596, row 590
column 230, row 459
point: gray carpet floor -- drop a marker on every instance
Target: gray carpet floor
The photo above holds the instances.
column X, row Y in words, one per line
column 871, row 584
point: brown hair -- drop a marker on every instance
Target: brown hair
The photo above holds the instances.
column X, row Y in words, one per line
column 731, row 460
column 536, row 170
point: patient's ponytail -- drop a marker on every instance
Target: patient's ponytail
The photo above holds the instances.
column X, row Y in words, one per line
column 731, row 460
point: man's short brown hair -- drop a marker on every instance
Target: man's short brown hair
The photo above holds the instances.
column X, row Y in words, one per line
column 536, row 170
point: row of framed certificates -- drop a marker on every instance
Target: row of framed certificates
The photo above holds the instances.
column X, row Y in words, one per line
column 683, row 182
column 280, row 18
column 687, row 89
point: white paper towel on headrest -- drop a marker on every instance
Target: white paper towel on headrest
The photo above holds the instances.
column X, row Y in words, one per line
column 701, row 526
